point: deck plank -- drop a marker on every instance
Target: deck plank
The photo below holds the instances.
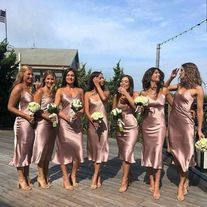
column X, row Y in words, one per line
column 136, row 195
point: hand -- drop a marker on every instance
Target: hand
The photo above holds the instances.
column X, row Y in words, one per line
column 96, row 81
column 122, row 91
column 174, row 73
column 30, row 119
column 200, row 135
column 139, row 109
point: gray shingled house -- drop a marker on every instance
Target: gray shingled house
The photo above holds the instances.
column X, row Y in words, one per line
column 42, row 59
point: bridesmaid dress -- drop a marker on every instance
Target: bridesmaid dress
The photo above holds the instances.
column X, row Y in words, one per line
column 181, row 130
column 23, row 134
column 97, row 145
column 153, row 130
column 126, row 140
column 69, row 143
column 45, row 135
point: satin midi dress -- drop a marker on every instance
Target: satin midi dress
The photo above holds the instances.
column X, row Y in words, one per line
column 45, row 135
column 97, row 143
column 23, row 134
column 153, row 130
column 181, row 130
column 69, row 142
column 126, row 140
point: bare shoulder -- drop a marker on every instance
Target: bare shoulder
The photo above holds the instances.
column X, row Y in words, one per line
column 199, row 89
column 40, row 91
column 165, row 90
column 143, row 93
column 88, row 93
column 18, row 88
column 80, row 90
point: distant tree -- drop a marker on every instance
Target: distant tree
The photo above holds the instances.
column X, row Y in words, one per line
column 8, row 71
column 83, row 77
column 112, row 86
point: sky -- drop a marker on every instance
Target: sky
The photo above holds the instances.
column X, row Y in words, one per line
column 108, row 31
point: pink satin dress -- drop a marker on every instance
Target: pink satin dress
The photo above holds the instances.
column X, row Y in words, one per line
column 69, row 143
column 127, row 140
column 97, row 145
column 45, row 135
column 153, row 130
column 23, row 134
column 181, row 130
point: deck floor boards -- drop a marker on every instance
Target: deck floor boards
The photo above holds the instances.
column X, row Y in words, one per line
column 108, row 195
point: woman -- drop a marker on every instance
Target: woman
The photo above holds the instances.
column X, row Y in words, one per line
column 126, row 140
column 95, row 101
column 69, row 141
column 21, row 95
column 153, row 126
column 181, row 124
column 45, row 133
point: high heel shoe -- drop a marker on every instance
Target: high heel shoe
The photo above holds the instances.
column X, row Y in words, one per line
column 94, row 183
column 73, row 181
column 99, row 183
column 42, row 184
column 23, row 186
column 68, row 186
column 124, row 185
column 186, row 187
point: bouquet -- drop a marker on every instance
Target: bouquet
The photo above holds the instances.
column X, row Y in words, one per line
column 97, row 117
column 201, row 145
column 116, row 112
column 33, row 107
column 53, row 110
column 140, row 101
column 76, row 106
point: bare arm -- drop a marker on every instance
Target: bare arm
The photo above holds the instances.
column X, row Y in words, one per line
column 169, row 97
column 104, row 95
column 13, row 101
column 200, row 97
column 114, row 102
column 172, row 76
column 58, row 98
column 130, row 99
column 173, row 87
column 86, row 106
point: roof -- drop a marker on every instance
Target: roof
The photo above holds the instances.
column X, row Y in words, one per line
column 45, row 56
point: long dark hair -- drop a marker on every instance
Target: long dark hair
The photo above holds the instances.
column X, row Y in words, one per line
column 192, row 76
column 64, row 83
column 146, row 80
column 91, row 85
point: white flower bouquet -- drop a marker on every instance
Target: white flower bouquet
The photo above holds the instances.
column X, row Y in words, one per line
column 33, row 107
column 53, row 110
column 76, row 105
column 97, row 117
column 201, row 145
column 142, row 101
column 116, row 112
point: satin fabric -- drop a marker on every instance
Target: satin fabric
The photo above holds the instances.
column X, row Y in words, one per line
column 126, row 140
column 97, row 145
column 45, row 135
column 153, row 130
column 69, row 143
column 23, row 134
column 181, row 130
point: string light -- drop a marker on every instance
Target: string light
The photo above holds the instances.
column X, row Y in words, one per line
column 176, row 36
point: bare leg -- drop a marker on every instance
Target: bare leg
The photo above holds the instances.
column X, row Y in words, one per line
column 125, row 177
column 66, row 182
column 22, row 181
column 41, row 176
column 151, row 179
column 26, row 174
column 94, row 181
column 46, row 166
column 183, row 177
column 74, row 173
column 156, row 193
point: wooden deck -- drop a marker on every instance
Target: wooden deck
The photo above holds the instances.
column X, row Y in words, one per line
column 136, row 195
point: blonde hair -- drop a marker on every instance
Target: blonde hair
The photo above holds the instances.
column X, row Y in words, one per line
column 20, row 74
